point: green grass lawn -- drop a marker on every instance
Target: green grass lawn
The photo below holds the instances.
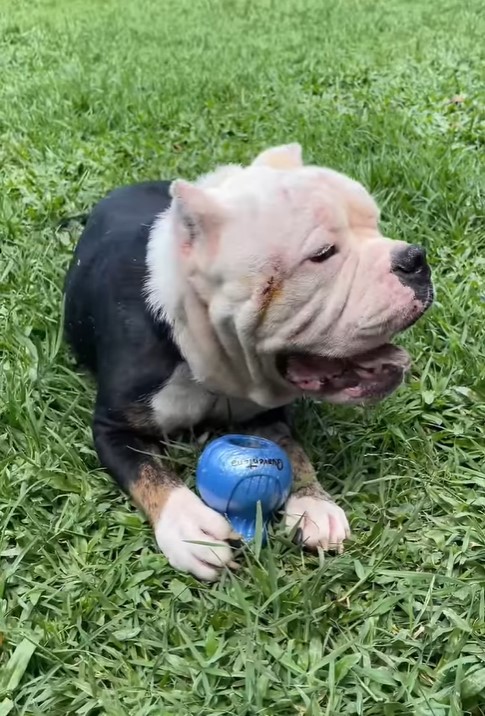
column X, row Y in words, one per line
column 92, row 620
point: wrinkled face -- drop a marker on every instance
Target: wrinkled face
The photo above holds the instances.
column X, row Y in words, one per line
column 301, row 289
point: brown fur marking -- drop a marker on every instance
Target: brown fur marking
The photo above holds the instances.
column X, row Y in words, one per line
column 152, row 489
column 270, row 291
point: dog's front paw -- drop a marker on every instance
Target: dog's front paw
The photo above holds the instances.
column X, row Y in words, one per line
column 184, row 523
column 320, row 521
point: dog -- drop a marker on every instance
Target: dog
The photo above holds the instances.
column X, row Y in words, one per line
column 221, row 302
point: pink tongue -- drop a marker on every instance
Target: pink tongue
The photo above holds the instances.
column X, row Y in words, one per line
column 312, row 384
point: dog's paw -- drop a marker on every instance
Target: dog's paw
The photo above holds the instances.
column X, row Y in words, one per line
column 321, row 523
column 186, row 521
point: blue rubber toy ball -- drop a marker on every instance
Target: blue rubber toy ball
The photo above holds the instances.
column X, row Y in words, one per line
column 235, row 472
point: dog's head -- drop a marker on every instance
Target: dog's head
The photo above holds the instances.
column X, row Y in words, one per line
column 279, row 283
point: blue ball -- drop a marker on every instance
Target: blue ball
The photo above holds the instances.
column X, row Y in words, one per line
column 235, row 472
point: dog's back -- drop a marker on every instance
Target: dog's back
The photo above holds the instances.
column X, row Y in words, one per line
column 108, row 271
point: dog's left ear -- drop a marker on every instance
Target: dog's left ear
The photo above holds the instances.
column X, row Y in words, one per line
column 287, row 156
column 198, row 214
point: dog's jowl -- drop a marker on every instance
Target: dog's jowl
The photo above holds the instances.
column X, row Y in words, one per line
column 224, row 301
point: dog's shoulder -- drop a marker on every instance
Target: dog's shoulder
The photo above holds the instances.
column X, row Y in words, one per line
column 116, row 233
column 107, row 321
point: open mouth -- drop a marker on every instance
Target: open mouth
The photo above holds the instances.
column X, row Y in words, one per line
column 365, row 377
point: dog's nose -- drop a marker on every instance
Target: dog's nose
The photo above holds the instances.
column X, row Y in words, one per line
column 409, row 261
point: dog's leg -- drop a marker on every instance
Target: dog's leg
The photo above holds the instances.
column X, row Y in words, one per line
column 191, row 535
column 321, row 522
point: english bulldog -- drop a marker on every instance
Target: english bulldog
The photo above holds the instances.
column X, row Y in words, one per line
column 221, row 302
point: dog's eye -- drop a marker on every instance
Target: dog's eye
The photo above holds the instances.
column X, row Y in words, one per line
column 323, row 254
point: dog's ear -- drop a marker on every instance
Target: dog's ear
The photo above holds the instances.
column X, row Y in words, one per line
column 198, row 214
column 287, row 156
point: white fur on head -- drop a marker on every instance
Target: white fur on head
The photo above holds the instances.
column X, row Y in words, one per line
column 231, row 268
column 197, row 210
column 287, row 156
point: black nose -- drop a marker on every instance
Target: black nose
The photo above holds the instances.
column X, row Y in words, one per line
column 409, row 261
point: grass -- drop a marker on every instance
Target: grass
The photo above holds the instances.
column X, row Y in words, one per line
column 97, row 93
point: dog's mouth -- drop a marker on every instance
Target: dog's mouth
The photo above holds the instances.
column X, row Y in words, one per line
column 362, row 378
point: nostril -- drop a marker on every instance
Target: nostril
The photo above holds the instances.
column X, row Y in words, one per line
column 410, row 260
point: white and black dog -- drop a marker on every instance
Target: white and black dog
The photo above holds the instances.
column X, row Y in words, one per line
column 223, row 301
